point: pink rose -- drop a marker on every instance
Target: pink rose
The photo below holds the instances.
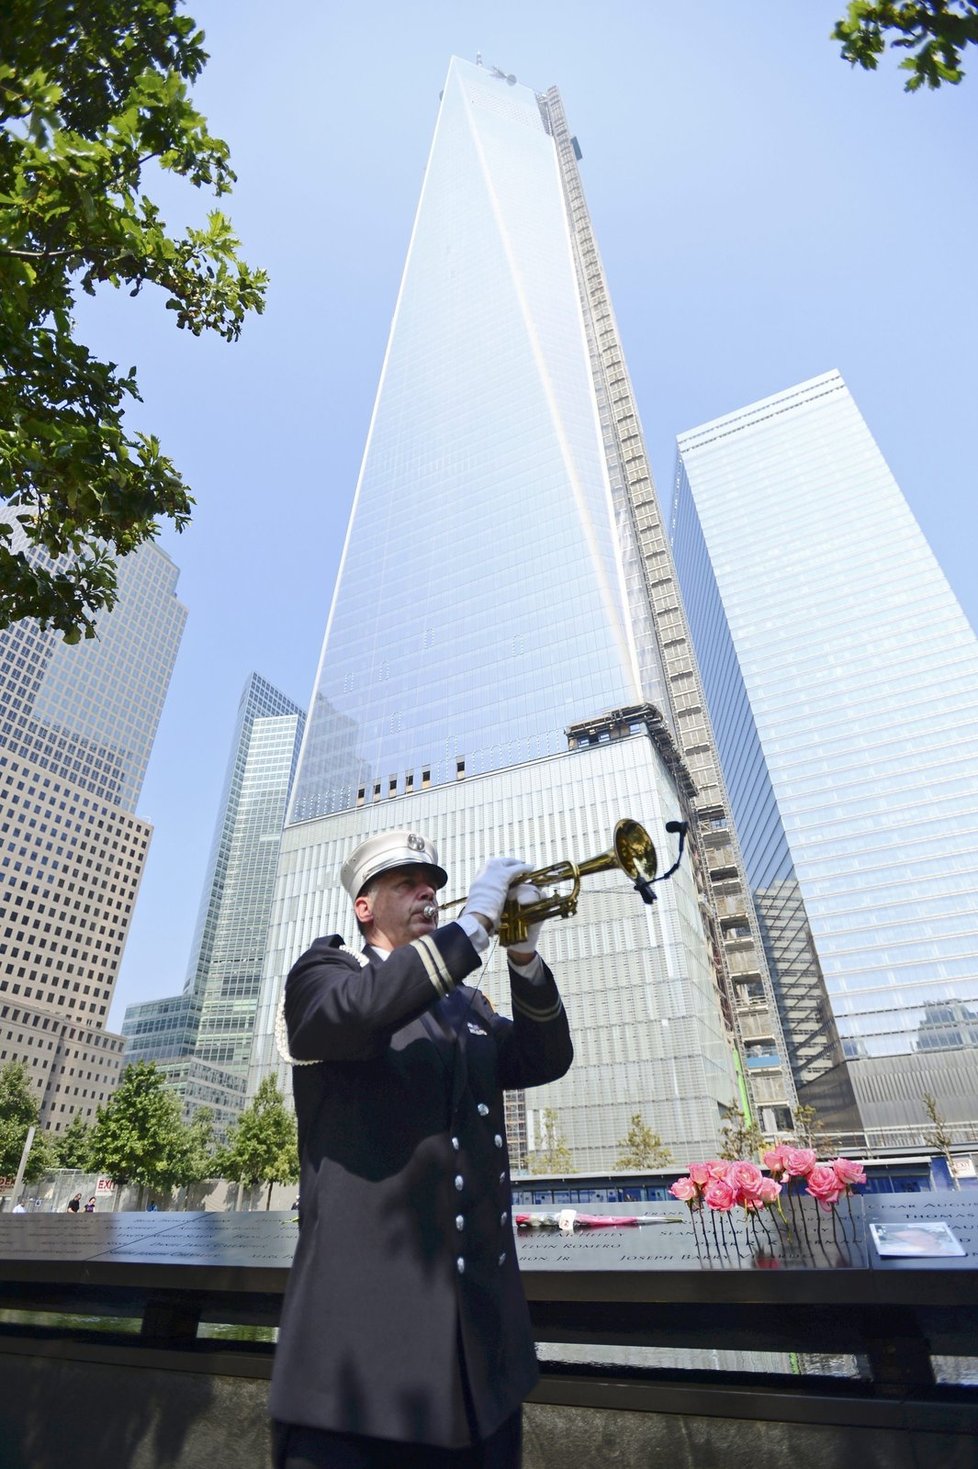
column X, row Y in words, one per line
column 699, row 1173
column 768, row 1191
column 718, row 1168
column 745, row 1179
column 774, row 1159
column 824, row 1185
column 685, row 1190
column 848, row 1171
column 719, row 1195
column 799, row 1162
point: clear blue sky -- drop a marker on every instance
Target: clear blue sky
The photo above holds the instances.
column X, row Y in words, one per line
column 764, row 214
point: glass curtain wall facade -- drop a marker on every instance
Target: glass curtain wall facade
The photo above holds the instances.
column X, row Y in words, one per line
column 210, row 1027
column 481, row 564
column 226, row 962
column 88, row 713
column 637, row 981
column 488, row 601
column 766, row 1093
column 842, row 679
column 76, row 729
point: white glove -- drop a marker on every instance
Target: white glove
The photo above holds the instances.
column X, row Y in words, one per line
column 490, row 888
column 527, row 893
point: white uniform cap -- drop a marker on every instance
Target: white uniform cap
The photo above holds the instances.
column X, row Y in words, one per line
column 385, row 851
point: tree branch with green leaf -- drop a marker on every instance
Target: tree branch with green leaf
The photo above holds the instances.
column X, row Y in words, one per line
column 19, row 1112
column 90, row 97
column 262, row 1146
column 641, row 1147
column 936, row 32
column 551, row 1155
column 139, row 1136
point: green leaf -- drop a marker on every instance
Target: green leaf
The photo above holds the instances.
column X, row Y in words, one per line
column 97, row 90
column 937, row 31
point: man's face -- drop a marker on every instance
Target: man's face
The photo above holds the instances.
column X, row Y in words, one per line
column 392, row 910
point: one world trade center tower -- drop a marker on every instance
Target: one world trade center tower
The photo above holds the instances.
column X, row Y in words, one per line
column 492, row 672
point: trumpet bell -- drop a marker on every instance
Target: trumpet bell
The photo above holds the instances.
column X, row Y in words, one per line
column 634, row 850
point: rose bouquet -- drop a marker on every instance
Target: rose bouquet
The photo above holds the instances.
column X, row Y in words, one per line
column 739, row 1191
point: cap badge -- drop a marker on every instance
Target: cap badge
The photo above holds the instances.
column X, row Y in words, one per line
column 416, row 843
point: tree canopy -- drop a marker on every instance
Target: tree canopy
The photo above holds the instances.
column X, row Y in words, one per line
column 262, row 1146
column 808, row 1128
column 140, row 1137
column 19, row 1112
column 936, row 32
column 72, row 1149
column 199, row 1160
column 742, row 1138
column 552, row 1155
column 641, row 1147
column 93, row 98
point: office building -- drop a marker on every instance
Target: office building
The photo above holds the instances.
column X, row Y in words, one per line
column 229, row 945
column 164, row 1032
column 76, row 729
column 202, row 1039
column 161, row 1030
column 842, row 680
column 495, row 670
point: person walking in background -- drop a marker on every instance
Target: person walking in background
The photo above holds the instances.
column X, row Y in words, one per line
column 73, row 1204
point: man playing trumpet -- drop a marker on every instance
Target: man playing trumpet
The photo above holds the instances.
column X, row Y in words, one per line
column 405, row 1336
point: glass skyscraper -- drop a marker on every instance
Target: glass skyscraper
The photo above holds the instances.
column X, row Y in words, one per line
column 481, row 606
column 229, row 945
column 76, row 728
column 203, row 1038
column 495, row 669
column 89, row 712
column 842, row 680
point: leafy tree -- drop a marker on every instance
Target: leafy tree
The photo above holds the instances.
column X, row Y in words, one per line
column 199, row 1161
column 742, row 1138
column 19, row 1112
column 641, row 1147
column 939, row 1136
column 262, row 1145
column 91, row 97
column 139, row 1135
column 938, row 29
column 42, row 1158
column 553, row 1155
column 73, row 1148
column 808, row 1128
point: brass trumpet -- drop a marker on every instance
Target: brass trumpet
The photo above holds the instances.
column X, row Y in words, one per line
column 632, row 852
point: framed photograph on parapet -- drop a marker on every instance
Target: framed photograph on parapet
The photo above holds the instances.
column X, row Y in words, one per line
column 913, row 1238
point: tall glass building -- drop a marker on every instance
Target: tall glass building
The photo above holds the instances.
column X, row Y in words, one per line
column 229, row 945
column 842, row 680
column 89, row 712
column 76, row 728
column 203, row 1038
column 495, row 668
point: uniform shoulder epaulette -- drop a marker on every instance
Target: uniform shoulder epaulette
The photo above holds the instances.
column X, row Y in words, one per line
column 335, row 941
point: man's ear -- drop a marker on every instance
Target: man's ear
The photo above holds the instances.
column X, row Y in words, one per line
column 363, row 907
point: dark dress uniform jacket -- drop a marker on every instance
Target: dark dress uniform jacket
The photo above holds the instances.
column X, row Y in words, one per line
column 405, row 1274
